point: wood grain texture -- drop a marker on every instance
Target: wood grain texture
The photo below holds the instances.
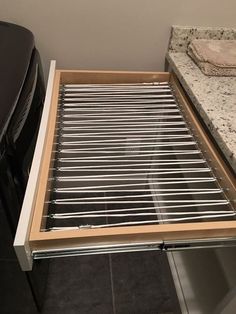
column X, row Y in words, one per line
column 111, row 77
column 40, row 202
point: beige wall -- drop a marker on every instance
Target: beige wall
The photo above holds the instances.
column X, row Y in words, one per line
column 111, row 34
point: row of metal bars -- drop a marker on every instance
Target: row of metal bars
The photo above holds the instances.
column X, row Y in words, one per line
column 126, row 156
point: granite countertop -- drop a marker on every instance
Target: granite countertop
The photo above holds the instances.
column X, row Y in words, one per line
column 213, row 96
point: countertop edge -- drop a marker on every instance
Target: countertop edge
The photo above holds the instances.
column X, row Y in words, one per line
column 229, row 155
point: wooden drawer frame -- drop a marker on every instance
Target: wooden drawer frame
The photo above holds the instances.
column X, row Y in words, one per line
column 30, row 239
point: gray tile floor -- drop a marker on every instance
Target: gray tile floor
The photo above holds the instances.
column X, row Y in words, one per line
column 130, row 283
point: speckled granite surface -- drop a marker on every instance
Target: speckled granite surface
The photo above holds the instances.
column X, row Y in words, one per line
column 213, row 97
column 181, row 36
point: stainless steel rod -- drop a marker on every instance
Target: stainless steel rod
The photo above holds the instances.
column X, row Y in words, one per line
column 127, row 131
column 111, row 143
column 161, row 181
column 126, row 107
column 139, row 104
column 136, row 86
column 111, row 167
column 117, row 93
column 163, row 153
column 128, row 119
column 111, row 179
column 84, row 169
column 137, row 93
column 166, row 220
column 90, row 215
column 77, row 190
column 104, row 92
column 108, row 158
column 89, row 118
column 106, row 153
column 125, row 140
column 113, row 115
column 130, row 176
column 121, row 126
column 160, row 170
column 119, row 111
column 142, row 121
column 144, row 222
column 107, row 88
column 116, row 134
column 137, row 89
column 138, row 209
column 110, row 102
column 124, row 127
column 102, row 161
column 122, row 103
column 77, row 202
column 111, row 149
column 115, row 197
column 117, row 98
column 109, row 188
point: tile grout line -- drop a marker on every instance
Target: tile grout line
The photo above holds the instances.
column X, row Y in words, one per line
column 112, row 285
column 111, row 273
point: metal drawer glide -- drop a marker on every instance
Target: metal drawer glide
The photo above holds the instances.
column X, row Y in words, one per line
column 101, row 249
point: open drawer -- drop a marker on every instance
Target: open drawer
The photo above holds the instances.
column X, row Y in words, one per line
column 122, row 163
